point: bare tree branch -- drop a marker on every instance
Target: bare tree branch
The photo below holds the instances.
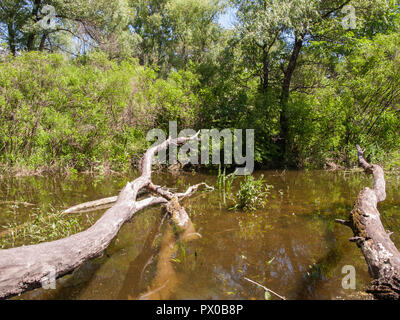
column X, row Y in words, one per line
column 25, row 268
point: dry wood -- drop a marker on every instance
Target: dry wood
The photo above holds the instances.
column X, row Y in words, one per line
column 265, row 288
column 91, row 205
column 27, row 267
column 380, row 253
column 103, row 203
column 97, row 204
column 22, row 203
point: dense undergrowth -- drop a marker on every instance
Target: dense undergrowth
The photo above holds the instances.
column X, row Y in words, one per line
column 92, row 113
column 88, row 114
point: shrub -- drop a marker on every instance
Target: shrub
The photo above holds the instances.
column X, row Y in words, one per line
column 85, row 114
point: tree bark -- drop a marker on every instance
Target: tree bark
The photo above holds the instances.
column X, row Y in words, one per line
column 287, row 79
column 265, row 75
column 11, row 39
column 28, row 267
column 42, row 41
column 380, row 253
column 31, row 37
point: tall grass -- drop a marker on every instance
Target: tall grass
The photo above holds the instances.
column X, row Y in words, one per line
column 42, row 227
column 224, row 183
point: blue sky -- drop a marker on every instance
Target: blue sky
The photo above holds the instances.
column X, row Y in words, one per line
column 228, row 18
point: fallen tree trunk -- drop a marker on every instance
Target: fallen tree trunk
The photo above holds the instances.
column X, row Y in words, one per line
column 28, row 267
column 381, row 255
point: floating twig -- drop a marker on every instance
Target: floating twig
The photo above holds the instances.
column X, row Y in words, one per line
column 265, row 288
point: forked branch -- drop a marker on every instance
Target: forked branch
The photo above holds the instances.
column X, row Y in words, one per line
column 27, row 267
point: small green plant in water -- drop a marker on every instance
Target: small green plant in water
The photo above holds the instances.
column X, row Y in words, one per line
column 224, row 183
column 252, row 194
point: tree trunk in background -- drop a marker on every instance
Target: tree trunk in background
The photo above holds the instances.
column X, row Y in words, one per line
column 30, row 42
column 42, row 41
column 265, row 79
column 11, row 39
column 284, row 119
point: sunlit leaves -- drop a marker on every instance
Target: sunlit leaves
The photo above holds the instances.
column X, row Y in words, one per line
column 252, row 194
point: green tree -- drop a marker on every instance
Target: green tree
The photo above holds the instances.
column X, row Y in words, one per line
column 174, row 32
column 12, row 18
column 273, row 34
column 79, row 25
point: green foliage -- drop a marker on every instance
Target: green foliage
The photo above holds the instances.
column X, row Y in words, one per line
column 224, row 181
column 134, row 65
column 360, row 105
column 88, row 114
column 175, row 32
column 252, row 194
column 224, row 184
column 42, row 228
column 79, row 25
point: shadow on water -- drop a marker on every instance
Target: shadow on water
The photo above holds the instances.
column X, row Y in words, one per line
column 131, row 285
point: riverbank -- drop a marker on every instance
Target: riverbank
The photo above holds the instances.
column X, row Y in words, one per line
column 92, row 114
column 106, row 170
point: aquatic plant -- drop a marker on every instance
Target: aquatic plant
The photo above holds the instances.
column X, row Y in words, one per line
column 252, row 194
column 224, row 183
column 42, row 227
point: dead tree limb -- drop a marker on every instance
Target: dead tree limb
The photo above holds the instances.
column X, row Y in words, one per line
column 27, row 267
column 97, row 204
column 101, row 203
column 380, row 253
column 91, row 204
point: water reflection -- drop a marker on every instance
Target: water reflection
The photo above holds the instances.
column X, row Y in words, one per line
column 292, row 246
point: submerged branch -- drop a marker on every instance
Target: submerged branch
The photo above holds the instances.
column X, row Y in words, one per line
column 91, row 205
column 166, row 279
column 265, row 288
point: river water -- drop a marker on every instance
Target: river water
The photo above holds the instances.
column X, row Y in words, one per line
column 292, row 246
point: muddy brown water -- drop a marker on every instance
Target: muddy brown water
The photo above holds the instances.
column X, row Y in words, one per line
column 293, row 246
